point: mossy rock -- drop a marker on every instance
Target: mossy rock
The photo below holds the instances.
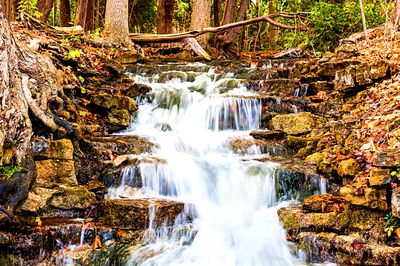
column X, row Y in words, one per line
column 349, row 167
column 109, row 101
column 119, row 117
column 295, row 124
column 71, row 198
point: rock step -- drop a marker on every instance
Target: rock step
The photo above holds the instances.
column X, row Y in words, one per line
column 295, row 179
column 351, row 249
column 135, row 214
column 122, row 144
column 268, row 134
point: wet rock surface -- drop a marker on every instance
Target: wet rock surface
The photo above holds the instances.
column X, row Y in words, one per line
column 135, row 213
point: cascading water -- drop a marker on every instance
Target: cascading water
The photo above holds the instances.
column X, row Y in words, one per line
column 234, row 198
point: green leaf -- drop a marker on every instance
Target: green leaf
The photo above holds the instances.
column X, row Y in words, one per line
column 81, row 79
column 72, row 54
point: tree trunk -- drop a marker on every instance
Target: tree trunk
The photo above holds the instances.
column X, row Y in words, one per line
column 10, row 8
column 165, row 14
column 44, row 7
column 227, row 18
column 272, row 28
column 224, row 41
column 116, row 27
column 364, row 23
column 15, row 125
column 396, row 16
column 85, row 14
column 201, row 13
column 65, row 13
column 216, row 13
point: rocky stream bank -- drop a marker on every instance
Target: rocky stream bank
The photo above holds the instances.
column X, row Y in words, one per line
column 332, row 120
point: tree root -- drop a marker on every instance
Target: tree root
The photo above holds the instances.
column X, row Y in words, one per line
column 37, row 112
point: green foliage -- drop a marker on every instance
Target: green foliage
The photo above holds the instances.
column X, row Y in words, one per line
column 182, row 14
column 329, row 22
column 29, row 7
column 113, row 254
column 72, row 54
column 391, row 223
column 395, row 172
column 81, row 79
column 144, row 18
column 83, row 90
column 7, row 170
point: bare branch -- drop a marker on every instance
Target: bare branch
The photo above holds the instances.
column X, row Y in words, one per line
column 137, row 37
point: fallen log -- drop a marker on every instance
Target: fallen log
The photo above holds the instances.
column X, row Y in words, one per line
column 161, row 38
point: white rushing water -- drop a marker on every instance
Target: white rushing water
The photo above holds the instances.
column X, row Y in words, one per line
column 235, row 202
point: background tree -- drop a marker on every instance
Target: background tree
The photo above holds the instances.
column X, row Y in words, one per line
column 116, row 27
column 201, row 13
column 165, row 14
column 223, row 41
column 65, row 13
column 45, row 7
column 396, row 15
column 10, row 8
column 216, row 5
column 85, row 14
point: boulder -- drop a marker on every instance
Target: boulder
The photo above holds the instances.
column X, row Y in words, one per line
column 54, row 173
column 267, row 134
column 277, row 87
column 295, row 219
column 70, row 198
column 346, row 50
column 109, row 102
column 371, row 197
column 52, row 149
column 135, row 213
column 379, row 177
column 323, row 203
column 119, row 117
column 5, row 239
column 387, row 158
column 349, row 167
column 37, row 199
column 295, row 124
column 395, row 202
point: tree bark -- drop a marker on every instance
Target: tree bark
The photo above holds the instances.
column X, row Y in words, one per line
column 10, row 8
column 201, row 14
column 216, row 13
column 224, row 41
column 65, row 13
column 85, row 14
column 44, row 7
column 272, row 28
column 27, row 83
column 396, row 17
column 165, row 14
column 364, row 23
column 116, row 27
column 227, row 18
column 229, row 12
column 15, row 125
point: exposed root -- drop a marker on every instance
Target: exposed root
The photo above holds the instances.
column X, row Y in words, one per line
column 38, row 113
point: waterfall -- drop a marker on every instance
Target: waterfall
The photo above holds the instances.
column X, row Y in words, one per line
column 234, row 200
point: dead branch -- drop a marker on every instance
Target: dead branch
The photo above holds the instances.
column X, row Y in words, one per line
column 194, row 44
column 138, row 37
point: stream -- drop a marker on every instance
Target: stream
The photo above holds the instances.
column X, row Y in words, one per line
column 230, row 217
